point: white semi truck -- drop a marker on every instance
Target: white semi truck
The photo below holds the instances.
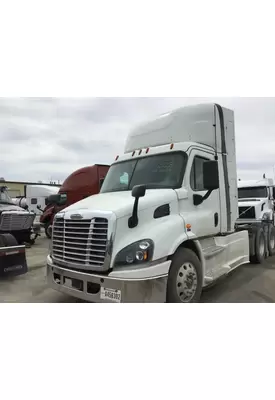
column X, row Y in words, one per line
column 16, row 221
column 164, row 224
column 256, row 200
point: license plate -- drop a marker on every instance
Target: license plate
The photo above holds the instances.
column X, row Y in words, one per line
column 110, row 295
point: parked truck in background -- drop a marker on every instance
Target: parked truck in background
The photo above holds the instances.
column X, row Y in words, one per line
column 163, row 227
column 15, row 229
column 80, row 184
column 256, row 200
column 35, row 197
column 256, row 209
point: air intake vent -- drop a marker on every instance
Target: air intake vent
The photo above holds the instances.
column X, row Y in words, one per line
column 247, row 213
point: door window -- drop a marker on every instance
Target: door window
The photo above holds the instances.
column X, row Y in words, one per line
column 197, row 174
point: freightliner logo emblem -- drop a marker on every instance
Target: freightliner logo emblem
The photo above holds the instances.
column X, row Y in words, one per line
column 76, row 216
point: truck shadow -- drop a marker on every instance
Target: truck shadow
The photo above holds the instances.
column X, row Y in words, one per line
column 237, row 287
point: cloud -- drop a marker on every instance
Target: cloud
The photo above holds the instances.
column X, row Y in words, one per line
column 43, row 138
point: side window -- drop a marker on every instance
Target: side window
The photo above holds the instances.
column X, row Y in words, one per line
column 33, row 201
column 197, row 174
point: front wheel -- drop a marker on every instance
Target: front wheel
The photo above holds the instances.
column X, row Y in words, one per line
column 185, row 278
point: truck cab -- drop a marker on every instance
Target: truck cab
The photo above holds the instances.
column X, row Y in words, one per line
column 256, row 200
column 81, row 184
column 163, row 226
column 15, row 220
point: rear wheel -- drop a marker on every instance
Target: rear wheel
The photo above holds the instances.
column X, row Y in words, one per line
column 185, row 278
column 260, row 248
column 271, row 240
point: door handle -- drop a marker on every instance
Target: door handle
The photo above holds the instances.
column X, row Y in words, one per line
column 216, row 220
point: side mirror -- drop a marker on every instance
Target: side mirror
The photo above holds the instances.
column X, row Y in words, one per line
column 139, row 191
column 211, row 175
column 54, row 199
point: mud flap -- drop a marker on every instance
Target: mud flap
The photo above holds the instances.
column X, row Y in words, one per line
column 13, row 261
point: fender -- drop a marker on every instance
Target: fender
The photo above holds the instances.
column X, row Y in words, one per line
column 189, row 241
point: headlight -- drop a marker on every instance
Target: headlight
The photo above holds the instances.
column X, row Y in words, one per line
column 137, row 253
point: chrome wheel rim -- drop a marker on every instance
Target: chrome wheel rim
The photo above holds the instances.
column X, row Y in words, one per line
column 187, row 282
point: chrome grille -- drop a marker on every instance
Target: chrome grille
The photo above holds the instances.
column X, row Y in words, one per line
column 16, row 221
column 247, row 213
column 80, row 242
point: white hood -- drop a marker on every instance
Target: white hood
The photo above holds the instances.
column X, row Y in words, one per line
column 251, row 202
column 121, row 203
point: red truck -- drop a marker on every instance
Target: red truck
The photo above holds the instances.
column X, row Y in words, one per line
column 82, row 183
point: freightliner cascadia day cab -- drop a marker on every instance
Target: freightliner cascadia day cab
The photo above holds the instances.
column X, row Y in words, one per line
column 164, row 224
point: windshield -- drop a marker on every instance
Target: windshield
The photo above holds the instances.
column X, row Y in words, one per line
column 163, row 171
column 4, row 197
column 253, row 192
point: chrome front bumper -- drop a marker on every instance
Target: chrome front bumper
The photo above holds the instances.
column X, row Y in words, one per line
column 128, row 288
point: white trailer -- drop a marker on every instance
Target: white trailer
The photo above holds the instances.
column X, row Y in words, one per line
column 35, row 199
column 164, row 225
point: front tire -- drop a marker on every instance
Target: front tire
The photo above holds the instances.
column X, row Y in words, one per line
column 185, row 278
column 7, row 240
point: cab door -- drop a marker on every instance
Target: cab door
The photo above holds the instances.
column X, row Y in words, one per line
column 205, row 219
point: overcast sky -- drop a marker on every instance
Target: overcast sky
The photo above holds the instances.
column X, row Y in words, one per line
column 44, row 138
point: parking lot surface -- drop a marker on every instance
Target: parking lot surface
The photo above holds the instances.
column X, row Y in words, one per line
column 248, row 284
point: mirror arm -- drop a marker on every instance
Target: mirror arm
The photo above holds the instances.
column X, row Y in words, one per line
column 207, row 195
column 133, row 220
column 198, row 199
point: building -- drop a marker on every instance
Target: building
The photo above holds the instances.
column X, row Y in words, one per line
column 19, row 188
